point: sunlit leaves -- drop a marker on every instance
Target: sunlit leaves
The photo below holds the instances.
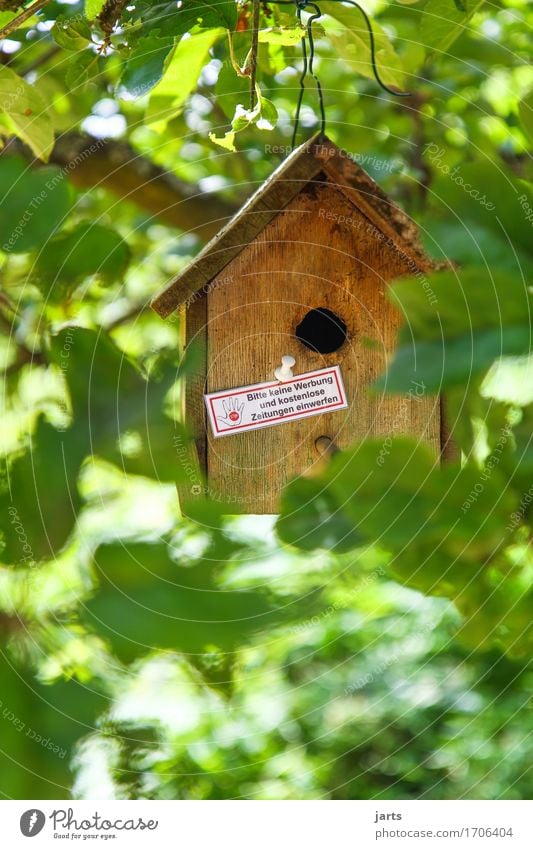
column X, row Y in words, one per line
column 25, row 113
column 93, row 8
column 520, row 467
column 232, row 90
column 397, row 496
column 443, row 23
column 148, row 601
column 510, row 380
column 263, row 115
column 287, row 36
column 460, row 531
column 497, row 607
column 353, row 44
column 169, row 96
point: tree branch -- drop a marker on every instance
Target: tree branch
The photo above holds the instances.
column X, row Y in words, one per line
column 115, row 166
column 28, row 12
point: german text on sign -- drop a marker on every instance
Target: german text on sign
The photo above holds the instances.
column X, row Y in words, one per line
column 265, row 404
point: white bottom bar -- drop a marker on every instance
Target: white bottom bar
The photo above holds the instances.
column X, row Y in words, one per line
column 270, row 825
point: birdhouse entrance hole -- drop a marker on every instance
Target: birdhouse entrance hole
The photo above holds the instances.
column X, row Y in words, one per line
column 322, row 331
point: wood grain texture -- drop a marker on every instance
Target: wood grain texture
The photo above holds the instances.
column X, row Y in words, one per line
column 315, row 156
column 369, row 198
column 319, row 251
column 271, row 197
column 193, row 456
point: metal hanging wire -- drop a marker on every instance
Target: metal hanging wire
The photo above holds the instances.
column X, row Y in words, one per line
column 308, row 56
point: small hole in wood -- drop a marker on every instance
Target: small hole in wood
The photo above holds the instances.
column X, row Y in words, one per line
column 325, row 446
column 322, row 331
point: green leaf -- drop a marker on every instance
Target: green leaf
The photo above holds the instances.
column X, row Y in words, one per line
column 72, row 33
column 6, row 17
column 456, row 330
column 442, row 23
column 93, row 8
column 145, row 66
column 472, row 244
column 264, row 115
column 89, row 249
column 231, row 89
column 460, row 302
column 498, row 612
column 170, row 95
column 353, row 45
column 486, row 195
column 26, row 113
column 452, row 362
column 226, row 9
column 269, row 115
column 193, row 15
column 39, row 727
column 310, row 519
column 34, row 204
column 287, row 36
column 227, row 141
column 147, row 600
column 115, row 400
column 510, row 380
column 520, row 466
column 39, row 500
column 81, row 68
column 525, row 112
column 397, row 496
column 393, row 494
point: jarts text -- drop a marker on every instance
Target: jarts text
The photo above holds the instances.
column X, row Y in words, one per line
column 381, row 817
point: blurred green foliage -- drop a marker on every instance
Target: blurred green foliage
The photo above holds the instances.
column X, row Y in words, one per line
column 377, row 642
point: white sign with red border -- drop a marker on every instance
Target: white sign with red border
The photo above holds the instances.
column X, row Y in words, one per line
column 266, row 404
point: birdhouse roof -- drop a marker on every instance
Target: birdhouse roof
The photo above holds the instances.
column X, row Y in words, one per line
column 315, row 160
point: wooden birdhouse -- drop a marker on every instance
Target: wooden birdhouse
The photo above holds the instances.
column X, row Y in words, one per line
column 300, row 273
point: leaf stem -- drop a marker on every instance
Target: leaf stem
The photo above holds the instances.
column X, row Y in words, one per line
column 241, row 72
column 253, row 52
